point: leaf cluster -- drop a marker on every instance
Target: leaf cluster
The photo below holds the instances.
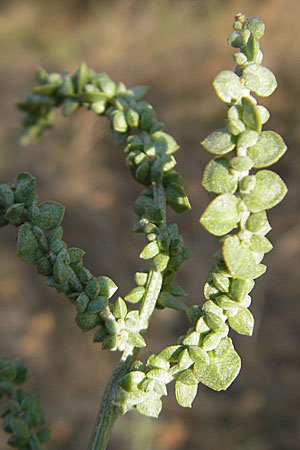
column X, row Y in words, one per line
column 23, row 416
column 205, row 354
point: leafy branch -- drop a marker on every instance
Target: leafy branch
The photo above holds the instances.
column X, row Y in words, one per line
column 205, row 353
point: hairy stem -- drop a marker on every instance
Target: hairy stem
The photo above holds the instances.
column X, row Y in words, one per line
column 108, row 412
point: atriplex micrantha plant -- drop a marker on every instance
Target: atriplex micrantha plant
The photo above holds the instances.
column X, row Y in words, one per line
column 205, row 354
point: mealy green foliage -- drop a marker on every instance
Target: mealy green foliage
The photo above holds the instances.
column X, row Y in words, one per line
column 205, row 354
column 241, row 196
column 22, row 416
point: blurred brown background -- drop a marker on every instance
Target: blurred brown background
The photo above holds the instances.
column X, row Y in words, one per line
column 176, row 47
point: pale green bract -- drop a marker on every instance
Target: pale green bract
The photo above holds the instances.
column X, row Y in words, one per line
column 242, row 199
column 219, row 142
column 221, row 216
column 267, row 150
column 259, row 80
column 228, row 86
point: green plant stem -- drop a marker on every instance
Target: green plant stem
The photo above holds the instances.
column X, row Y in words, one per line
column 108, row 412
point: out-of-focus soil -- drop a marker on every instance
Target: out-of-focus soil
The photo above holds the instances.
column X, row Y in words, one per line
column 176, row 47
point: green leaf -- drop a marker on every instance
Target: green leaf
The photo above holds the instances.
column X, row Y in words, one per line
column 46, row 89
column 160, row 375
column 119, row 122
column 92, row 94
column 161, row 261
column 110, row 342
column 235, row 126
column 268, row 191
column 220, row 372
column 246, row 184
column 185, row 394
column 256, row 26
column 171, row 353
column 247, row 139
column 188, row 377
column 240, row 288
column 169, row 301
column 92, row 289
column 50, row 216
column 221, row 281
column 164, row 143
column 75, row 254
column 221, row 215
column 156, row 361
column 148, row 118
column 107, row 287
column 151, row 407
column 106, row 84
column 70, row 106
column 267, row 150
column 87, row 321
column 257, row 221
column 97, row 305
column 82, row 302
column 60, row 271
column 137, row 340
column 7, row 196
column 99, row 106
column 131, row 380
column 241, row 163
column 119, row 309
column 43, row 435
column 177, row 198
column 211, row 341
column 135, row 295
column 132, row 118
column 260, row 244
column 100, row 334
column 27, row 244
column 235, row 39
column 223, row 348
column 228, row 86
column 141, row 278
column 41, row 74
column 198, row 354
column 259, row 80
column 44, row 266
column 252, row 48
column 242, row 322
column 192, row 338
column 264, row 113
column 219, row 142
column 184, row 359
column 240, row 260
column 21, row 432
column 25, row 189
column 167, row 162
column 83, row 76
column 251, row 116
column 217, row 178
column 152, row 249
column 14, row 213
column 240, row 58
column 139, row 91
column 226, row 302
